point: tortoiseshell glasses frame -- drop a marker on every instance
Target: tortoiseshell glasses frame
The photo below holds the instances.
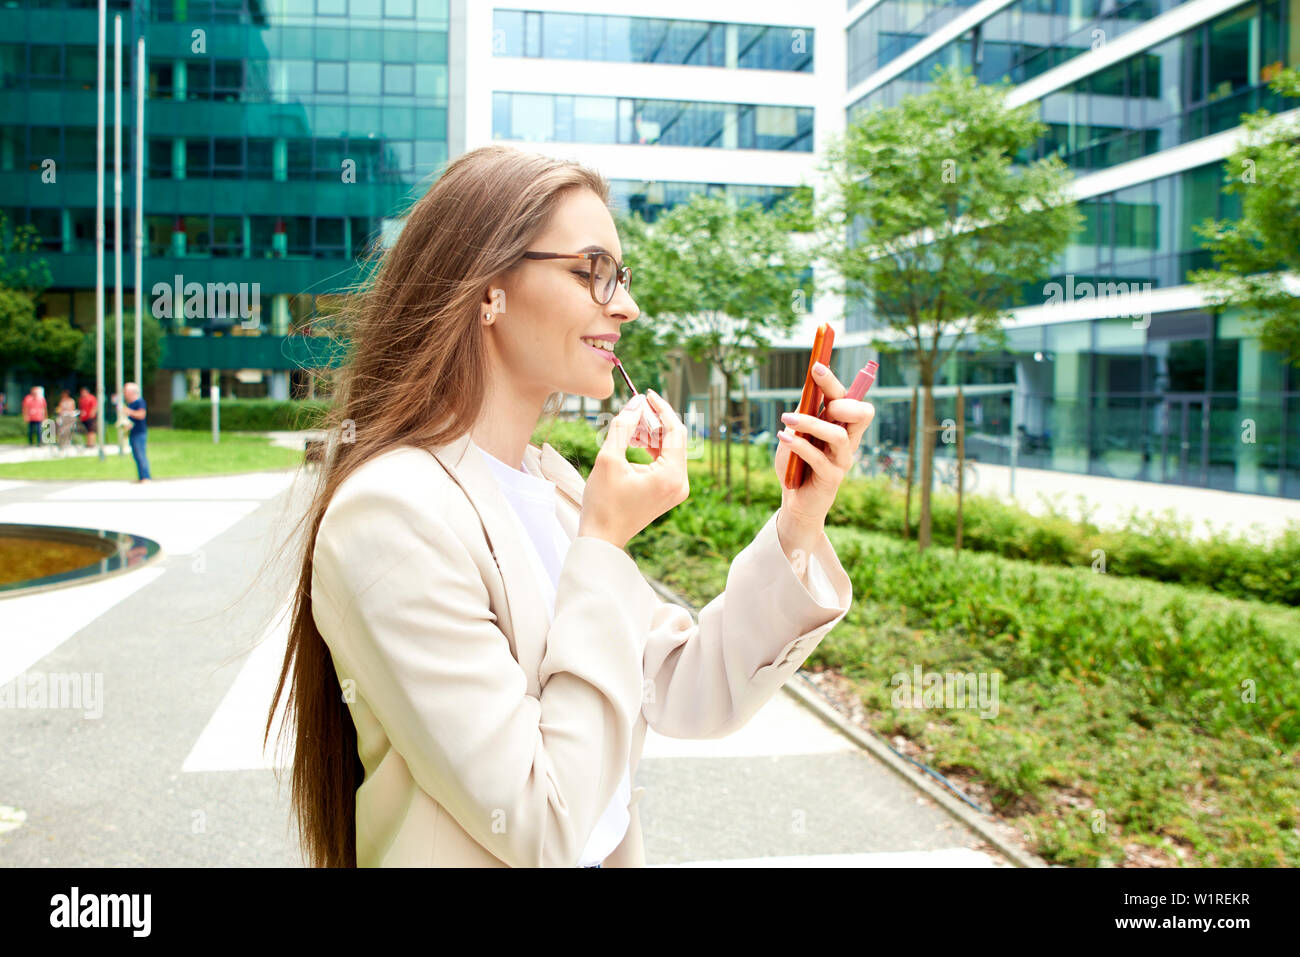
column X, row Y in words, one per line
column 613, row 272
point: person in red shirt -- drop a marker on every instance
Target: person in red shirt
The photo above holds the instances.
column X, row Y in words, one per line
column 88, row 405
column 34, row 412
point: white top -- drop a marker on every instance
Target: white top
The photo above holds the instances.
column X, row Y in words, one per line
column 533, row 501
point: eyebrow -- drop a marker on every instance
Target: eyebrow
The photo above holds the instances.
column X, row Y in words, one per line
column 597, row 249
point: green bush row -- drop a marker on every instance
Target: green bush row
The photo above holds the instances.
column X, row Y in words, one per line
column 578, row 442
column 1187, row 653
column 1163, row 549
column 1146, row 547
column 12, row 427
column 250, row 415
column 1174, row 711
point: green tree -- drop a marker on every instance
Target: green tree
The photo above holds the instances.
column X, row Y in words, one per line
column 43, row 348
column 931, row 217
column 720, row 279
column 1258, row 256
column 20, row 268
column 150, row 351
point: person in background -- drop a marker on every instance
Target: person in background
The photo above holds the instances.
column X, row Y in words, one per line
column 65, row 415
column 136, row 409
column 88, row 405
column 34, row 413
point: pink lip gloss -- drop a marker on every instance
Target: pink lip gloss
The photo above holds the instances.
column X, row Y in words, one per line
column 866, row 376
column 861, row 383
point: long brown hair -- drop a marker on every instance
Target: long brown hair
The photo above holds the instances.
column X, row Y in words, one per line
column 415, row 375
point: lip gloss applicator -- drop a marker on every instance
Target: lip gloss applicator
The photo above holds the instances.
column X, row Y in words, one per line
column 650, row 427
column 630, row 386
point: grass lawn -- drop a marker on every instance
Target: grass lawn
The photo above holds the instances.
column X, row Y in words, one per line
column 172, row 454
column 1137, row 720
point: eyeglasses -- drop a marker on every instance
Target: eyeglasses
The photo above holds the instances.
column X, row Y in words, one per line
column 605, row 273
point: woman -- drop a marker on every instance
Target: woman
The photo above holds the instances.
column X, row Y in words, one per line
column 65, row 417
column 473, row 657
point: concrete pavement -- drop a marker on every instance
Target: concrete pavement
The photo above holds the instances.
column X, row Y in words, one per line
column 172, row 772
column 1109, row 501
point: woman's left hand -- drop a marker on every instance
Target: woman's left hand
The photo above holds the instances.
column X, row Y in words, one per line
column 807, row 505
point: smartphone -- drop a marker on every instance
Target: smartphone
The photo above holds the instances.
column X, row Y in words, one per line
column 810, row 402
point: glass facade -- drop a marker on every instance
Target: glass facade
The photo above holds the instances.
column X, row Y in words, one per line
column 593, row 36
column 1191, row 399
column 1131, row 240
column 649, row 199
column 1185, row 397
column 281, row 137
column 1138, row 238
column 891, row 28
column 555, row 117
column 1189, row 86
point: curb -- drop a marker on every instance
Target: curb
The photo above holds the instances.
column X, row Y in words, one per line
column 804, row 692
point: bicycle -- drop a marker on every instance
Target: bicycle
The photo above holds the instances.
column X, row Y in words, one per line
column 891, row 461
column 946, row 472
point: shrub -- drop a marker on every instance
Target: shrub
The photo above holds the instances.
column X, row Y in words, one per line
column 250, row 415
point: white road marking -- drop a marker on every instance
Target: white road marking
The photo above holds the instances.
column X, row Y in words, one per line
column 180, row 527
column 216, row 488
column 35, row 625
column 232, row 739
column 940, row 857
column 11, row 818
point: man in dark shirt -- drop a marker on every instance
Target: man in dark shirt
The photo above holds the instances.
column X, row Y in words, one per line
column 136, row 409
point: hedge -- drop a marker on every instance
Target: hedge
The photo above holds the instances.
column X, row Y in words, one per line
column 1163, row 549
column 250, row 415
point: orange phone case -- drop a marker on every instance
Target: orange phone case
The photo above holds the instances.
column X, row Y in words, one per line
column 810, row 402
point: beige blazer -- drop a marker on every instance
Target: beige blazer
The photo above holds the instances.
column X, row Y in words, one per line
column 491, row 736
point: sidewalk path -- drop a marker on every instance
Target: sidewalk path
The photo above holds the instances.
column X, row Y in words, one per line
column 1109, row 501
column 174, row 774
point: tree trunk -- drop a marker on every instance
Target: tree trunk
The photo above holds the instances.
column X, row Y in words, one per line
column 744, row 387
column 927, row 455
column 961, row 462
column 713, row 432
column 911, row 466
column 726, row 413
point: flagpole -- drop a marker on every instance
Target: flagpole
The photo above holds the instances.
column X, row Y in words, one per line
column 117, row 223
column 139, row 206
column 99, row 238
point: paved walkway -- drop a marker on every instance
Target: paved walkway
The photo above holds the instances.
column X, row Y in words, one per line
column 173, row 773
column 11, row 452
column 1109, row 501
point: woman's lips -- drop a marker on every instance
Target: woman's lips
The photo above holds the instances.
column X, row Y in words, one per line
column 606, row 354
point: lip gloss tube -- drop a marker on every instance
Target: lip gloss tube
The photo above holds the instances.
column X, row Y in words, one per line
column 861, row 383
column 866, row 376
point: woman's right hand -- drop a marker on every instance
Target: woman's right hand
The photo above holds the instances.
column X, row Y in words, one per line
column 621, row 497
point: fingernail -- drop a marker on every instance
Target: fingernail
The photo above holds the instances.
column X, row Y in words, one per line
column 819, row 369
column 636, row 402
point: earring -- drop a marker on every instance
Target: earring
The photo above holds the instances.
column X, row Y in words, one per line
column 487, row 317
